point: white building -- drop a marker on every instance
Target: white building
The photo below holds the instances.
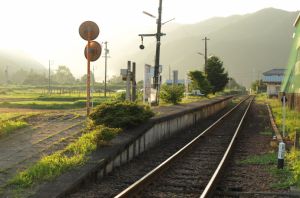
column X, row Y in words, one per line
column 273, row 78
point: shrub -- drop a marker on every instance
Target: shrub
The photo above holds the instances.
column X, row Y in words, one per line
column 120, row 96
column 172, row 94
column 120, row 114
column 294, row 163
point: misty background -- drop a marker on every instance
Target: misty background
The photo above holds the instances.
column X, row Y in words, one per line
column 249, row 44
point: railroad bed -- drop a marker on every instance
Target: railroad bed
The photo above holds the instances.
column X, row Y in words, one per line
column 122, row 177
column 194, row 169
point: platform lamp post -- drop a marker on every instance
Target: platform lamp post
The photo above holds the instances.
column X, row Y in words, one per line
column 89, row 31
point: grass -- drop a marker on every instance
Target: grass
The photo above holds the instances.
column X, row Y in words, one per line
column 293, row 160
column 263, row 159
column 291, row 172
column 75, row 154
column 10, row 125
column 284, row 177
column 47, row 104
column 292, row 117
column 266, row 133
column 36, row 98
column 10, row 122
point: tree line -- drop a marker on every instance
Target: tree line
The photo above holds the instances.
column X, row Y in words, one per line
column 61, row 76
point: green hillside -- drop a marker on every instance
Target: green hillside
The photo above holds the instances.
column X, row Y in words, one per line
column 248, row 44
column 17, row 61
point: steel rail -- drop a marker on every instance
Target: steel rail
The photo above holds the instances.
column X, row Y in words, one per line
column 135, row 187
column 208, row 191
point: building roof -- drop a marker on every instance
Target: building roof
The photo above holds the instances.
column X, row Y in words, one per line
column 297, row 20
column 274, row 72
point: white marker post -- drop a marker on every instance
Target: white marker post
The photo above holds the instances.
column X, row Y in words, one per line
column 281, row 152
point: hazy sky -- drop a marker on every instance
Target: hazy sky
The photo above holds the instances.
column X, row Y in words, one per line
column 48, row 29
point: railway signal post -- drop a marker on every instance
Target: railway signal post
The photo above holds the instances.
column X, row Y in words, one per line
column 89, row 31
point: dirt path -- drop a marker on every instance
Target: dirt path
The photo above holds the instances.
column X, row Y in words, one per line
column 47, row 133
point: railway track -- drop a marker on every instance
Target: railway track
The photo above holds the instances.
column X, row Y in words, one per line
column 194, row 170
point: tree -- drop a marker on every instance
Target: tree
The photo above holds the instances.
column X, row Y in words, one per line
column 172, row 93
column 233, row 85
column 216, row 75
column 199, row 82
column 84, row 77
column 63, row 75
column 116, row 79
column 259, row 86
column 19, row 76
column 35, row 79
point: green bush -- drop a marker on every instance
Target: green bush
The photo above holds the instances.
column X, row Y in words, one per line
column 172, row 94
column 121, row 96
column 107, row 134
column 120, row 114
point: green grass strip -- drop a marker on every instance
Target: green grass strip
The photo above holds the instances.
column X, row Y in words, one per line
column 283, row 177
column 8, row 126
column 73, row 155
column 266, row 133
column 263, row 159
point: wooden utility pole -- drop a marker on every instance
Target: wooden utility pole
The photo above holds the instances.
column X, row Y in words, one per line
column 157, row 52
column 156, row 78
column 205, row 55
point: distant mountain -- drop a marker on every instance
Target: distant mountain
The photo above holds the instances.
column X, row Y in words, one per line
column 13, row 61
column 248, row 44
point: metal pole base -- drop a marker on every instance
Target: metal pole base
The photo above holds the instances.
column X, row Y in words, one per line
column 280, row 163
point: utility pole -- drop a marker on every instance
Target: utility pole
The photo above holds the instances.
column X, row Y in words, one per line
column 105, row 56
column 157, row 53
column 205, row 55
column 49, row 83
column 169, row 72
column 6, row 75
column 156, row 78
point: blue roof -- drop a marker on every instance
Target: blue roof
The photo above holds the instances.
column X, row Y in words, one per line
column 274, row 72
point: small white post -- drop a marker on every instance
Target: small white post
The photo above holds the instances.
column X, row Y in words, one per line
column 281, row 152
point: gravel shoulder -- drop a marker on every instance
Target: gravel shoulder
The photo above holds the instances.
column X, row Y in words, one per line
column 255, row 139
